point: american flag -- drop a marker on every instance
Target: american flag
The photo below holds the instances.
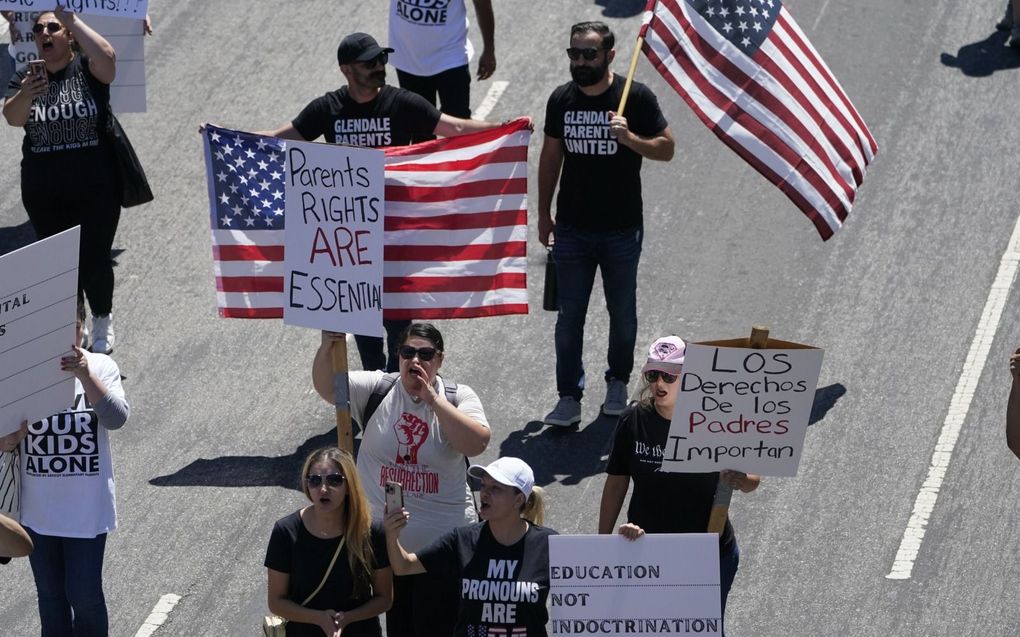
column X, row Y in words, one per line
column 455, row 220
column 750, row 74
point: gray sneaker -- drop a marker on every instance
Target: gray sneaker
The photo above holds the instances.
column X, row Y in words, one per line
column 567, row 412
column 616, row 397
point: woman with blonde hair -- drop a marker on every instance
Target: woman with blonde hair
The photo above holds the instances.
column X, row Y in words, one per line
column 327, row 564
column 505, row 557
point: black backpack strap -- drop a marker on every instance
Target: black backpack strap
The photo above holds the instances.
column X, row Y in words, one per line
column 382, row 387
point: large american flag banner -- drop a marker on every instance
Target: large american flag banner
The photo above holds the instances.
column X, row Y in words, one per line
column 455, row 219
column 752, row 76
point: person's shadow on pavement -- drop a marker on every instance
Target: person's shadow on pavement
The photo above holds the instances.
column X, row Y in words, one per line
column 981, row 59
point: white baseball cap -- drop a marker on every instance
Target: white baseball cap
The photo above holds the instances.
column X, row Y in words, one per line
column 513, row 472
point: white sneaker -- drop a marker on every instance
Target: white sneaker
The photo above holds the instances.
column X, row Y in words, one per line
column 616, row 397
column 102, row 334
column 567, row 412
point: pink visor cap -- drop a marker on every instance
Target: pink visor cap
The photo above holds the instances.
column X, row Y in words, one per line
column 513, row 472
column 666, row 355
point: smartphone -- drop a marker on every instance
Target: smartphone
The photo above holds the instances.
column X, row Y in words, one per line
column 38, row 67
column 394, row 496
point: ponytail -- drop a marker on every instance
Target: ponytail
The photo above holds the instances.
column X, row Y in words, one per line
column 534, row 508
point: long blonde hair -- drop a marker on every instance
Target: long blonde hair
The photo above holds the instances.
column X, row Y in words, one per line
column 357, row 514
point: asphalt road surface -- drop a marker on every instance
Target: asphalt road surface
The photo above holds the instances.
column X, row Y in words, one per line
column 223, row 411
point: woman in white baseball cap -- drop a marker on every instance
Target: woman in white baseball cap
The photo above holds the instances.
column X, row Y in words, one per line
column 503, row 558
column 637, row 454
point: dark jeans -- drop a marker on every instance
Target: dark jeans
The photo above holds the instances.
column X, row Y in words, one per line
column 52, row 210
column 728, row 563
column 370, row 348
column 69, row 580
column 452, row 86
column 578, row 253
column 423, row 606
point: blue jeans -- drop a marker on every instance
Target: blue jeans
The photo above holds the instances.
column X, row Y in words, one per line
column 69, row 580
column 578, row 253
column 728, row 563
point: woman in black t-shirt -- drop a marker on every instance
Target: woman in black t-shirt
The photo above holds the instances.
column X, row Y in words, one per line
column 359, row 587
column 502, row 562
column 637, row 454
column 68, row 170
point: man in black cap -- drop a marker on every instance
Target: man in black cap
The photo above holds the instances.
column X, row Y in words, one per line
column 368, row 112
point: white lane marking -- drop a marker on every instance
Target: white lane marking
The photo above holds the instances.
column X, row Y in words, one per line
column 495, row 92
column 913, row 536
column 159, row 614
column 821, row 12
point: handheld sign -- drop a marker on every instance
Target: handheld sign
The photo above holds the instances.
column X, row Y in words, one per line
column 38, row 301
column 661, row 583
column 117, row 8
column 742, row 409
column 333, row 254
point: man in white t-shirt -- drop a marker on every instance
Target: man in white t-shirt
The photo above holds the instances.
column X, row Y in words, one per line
column 432, row 50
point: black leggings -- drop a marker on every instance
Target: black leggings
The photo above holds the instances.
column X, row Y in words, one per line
column 453, row 87
column 97, row 209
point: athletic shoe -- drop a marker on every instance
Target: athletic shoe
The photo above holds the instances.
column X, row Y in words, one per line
column 567, row 412
column 1006, row 23
column 616, row 397
column 102, row 334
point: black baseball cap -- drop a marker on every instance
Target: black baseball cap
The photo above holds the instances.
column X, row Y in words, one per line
column 359, row 47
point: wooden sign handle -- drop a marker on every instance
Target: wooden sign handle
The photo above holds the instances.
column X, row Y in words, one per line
column 759, row 339
column 342, row 396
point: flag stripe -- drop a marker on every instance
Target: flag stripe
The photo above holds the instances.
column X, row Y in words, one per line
column 455, row 284
column 248, row 253
column 473, row 205
column 481, row 188
column 466, row 237
column 432, row 313
column 249, row 283
column 469, row 220
column 497, row 156
column 768, row 96
column 487, row 267
column 454, row 253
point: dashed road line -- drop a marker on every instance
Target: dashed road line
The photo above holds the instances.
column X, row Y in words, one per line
column 495, row 92
column 959, row 405
column 159, row 615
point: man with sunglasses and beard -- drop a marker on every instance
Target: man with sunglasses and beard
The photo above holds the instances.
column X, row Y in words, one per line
column 369, row 113
column 595, row 154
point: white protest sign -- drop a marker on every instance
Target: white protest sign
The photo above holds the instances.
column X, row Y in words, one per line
column 661, row 583
column 333, row 239
column 742, row 409
column 136, row 9
column 127, row 93
column 38, row 302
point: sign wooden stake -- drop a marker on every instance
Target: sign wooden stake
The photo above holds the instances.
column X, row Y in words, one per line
column 342, row 396
column 630, row 75
column 723, row 491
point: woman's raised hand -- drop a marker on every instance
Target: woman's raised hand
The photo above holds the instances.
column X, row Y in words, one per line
column 394, row 521
column 76, row 363
column 631, row 531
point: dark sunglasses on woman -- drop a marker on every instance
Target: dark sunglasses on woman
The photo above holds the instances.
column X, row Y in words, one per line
column 424, row 354
column 653, row 375
column 314, row 480
column 575, row 53
column 50, row 27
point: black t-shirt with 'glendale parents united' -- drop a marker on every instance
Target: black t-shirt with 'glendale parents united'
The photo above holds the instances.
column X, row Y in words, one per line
column 600, row 186
column 393, row 118
column 662, row 502
column 502, row 587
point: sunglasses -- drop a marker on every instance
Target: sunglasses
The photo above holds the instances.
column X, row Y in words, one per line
column 653, row 375
column 334, row 480
column 424, row 354
column 382, row 59
column 589, row 53
column 51, row 27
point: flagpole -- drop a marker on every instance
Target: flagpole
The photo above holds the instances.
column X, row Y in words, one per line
column 723, row 491
column 342, row 396
column 630, row 75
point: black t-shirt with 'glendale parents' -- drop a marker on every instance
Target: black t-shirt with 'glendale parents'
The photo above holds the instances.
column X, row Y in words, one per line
column 394, row 118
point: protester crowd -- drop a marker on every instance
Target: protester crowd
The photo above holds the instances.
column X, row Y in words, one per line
column 354, row 554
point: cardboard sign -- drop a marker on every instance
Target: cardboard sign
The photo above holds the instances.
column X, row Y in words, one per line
column 742, row 409
column 136, row 9
column 127, row 93
column 333, row 240
column 661, row 583
column 38, row 301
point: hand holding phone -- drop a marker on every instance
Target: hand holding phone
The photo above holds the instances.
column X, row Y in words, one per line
column 37, row 69
column 394, row 496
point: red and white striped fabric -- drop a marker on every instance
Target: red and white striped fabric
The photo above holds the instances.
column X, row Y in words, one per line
column 455, row 220
column 750, row 74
